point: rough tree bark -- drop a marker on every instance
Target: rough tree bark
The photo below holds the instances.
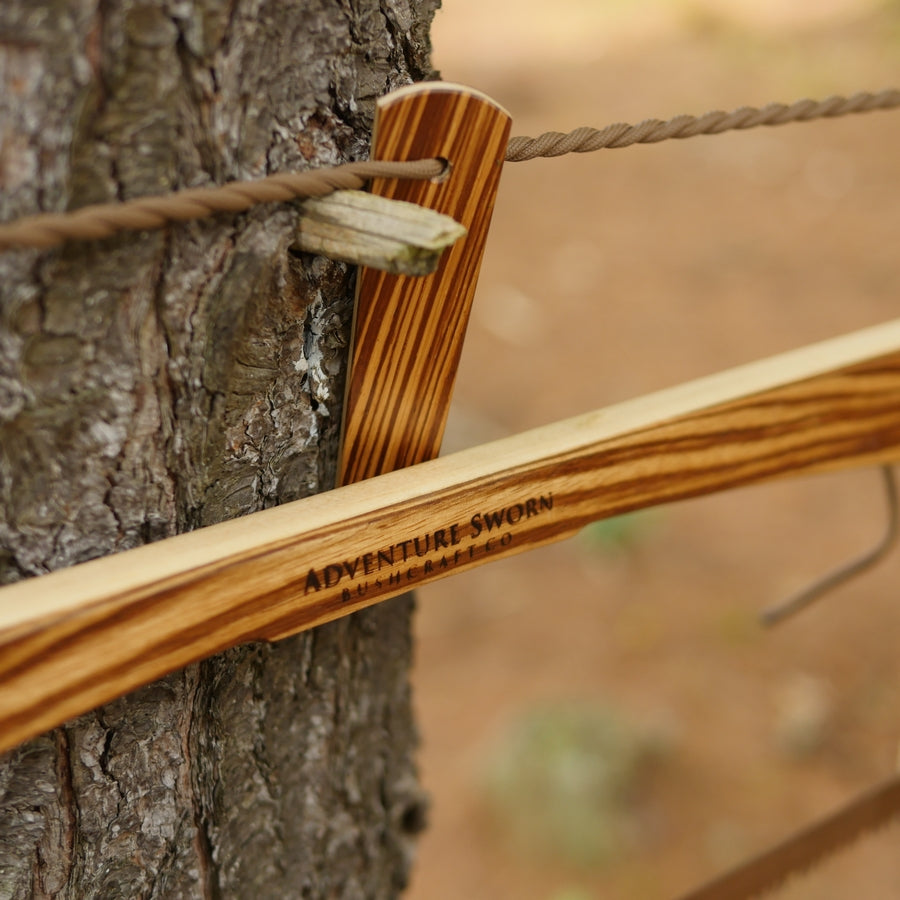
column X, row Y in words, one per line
column 159, row 382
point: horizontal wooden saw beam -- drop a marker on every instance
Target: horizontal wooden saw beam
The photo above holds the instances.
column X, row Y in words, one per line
column 76, row 638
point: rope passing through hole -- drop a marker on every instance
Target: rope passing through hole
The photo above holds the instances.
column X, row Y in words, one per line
column 103, row 220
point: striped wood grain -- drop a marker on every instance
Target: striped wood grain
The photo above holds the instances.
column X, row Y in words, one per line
column 79, row 637
column 408, row 332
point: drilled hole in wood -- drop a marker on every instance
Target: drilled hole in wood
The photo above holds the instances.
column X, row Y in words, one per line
column 445, row 171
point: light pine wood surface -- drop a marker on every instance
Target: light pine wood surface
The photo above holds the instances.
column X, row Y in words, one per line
column 76, row 638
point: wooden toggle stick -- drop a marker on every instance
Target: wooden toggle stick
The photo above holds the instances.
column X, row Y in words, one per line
column 368, row 230
column 79, row 637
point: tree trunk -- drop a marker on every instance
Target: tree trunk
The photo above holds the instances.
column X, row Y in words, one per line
column 158, row 382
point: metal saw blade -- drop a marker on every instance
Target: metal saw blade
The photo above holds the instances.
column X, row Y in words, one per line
column 805, row 849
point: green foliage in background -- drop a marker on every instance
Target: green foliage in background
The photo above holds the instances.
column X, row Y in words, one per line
column 572, row 893
column 564, row 782
column 620, row 534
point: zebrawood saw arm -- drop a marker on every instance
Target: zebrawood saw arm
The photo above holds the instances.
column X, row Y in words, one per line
column 77, row 638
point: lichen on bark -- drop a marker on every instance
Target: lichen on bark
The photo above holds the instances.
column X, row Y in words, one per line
column 158, row 382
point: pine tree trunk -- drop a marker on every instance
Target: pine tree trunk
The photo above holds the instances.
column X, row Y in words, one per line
column 158, row 382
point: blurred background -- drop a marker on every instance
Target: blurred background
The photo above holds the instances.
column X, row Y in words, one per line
column 605, row 718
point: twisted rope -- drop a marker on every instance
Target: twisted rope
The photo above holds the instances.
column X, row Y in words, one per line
column 103, row 220
column 651, row 131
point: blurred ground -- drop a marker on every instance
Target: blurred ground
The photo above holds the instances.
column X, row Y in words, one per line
column 613, row 274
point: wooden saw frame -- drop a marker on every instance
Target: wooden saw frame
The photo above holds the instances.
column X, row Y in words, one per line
column 77, row 638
